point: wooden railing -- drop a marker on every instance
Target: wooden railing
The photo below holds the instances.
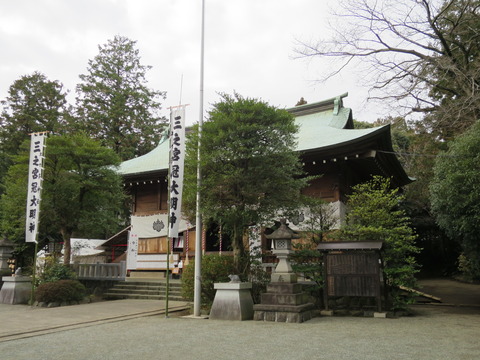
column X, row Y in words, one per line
column 99, row 271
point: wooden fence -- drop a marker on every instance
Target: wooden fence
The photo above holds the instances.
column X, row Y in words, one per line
column 99, row 271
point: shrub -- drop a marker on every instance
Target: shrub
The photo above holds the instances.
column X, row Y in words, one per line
column 54, row 271
column 60, row 291
column 307, row 260
column 215, row 269
column 467, row 267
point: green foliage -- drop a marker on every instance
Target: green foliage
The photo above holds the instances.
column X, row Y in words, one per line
column 114, row 103
column 60, row 291
column 54, row 271
column 82, row 193
column 374, row 214
column 468, row 268
column 454, row 74
column 416, row 148
column 33, row 104
column 215, row 269
column 319, row 219
column 250, row 171
column 253, row 271
column 306, row 260
column 455, row 194
column 14, row 199
column 357, row 124
column 188, row 281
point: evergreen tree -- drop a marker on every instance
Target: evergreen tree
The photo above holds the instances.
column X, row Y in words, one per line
column 82, row 194
column 455, row 195
column 33, row 104
column 114, row 103
column 374, row 215
column 250, row 171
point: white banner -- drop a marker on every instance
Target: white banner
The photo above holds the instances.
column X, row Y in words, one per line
column 35, row 173
column 152, row 226
column 144, row 227
column 177, row 158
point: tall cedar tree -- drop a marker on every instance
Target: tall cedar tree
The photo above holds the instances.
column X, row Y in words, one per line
column 33, row 104
column 82, row 194
column 114, row 103
column 250, row 172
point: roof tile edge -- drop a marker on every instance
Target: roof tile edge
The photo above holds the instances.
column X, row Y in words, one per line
column 334, row 103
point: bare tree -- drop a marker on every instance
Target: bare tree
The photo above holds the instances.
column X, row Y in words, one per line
column 422, row 55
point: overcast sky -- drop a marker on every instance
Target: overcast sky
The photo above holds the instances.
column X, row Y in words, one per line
column 249, row 47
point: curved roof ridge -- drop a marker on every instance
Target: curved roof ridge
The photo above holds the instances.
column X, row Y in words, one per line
column 155, row 160
column 334, row 103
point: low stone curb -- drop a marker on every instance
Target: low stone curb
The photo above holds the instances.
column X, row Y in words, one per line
column 87, row 300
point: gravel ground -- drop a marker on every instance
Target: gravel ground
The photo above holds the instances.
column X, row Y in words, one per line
column 432, row 334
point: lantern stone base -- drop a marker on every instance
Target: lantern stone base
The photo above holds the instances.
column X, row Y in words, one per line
column 278, row 277
column 284, row 302
column 233, row 301
column 16, row 290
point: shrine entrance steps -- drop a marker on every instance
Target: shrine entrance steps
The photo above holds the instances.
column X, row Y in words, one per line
column 144, row 290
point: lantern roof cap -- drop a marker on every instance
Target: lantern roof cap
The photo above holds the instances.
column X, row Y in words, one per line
column 283, row 232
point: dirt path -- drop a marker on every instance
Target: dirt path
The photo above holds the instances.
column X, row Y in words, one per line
column 456, row 297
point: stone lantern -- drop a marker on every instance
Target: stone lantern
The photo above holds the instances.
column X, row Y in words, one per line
column 284, row 300
column 282, row 248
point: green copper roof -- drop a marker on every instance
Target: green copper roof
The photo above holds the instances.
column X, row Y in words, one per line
column 323, row 126
column 316, row 130
column 155, row 160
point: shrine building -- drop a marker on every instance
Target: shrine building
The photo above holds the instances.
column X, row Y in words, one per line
column 328, row 145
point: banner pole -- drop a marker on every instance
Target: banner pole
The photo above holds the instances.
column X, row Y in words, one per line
column 167, row 290
column 34, row 273
column 167, row 275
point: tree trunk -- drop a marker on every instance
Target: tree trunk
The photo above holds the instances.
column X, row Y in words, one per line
column 238, row 247
column 67, row 247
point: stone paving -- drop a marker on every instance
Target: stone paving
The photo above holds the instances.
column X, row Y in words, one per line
column 135, row 329
column 431, row 335
column 18, row 321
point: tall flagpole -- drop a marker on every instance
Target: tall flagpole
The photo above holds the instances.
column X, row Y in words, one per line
column 198, row 220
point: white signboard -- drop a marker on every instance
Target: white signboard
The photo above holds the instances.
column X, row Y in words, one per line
column 35, row 173
column 177, row 158
column 132, row 250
